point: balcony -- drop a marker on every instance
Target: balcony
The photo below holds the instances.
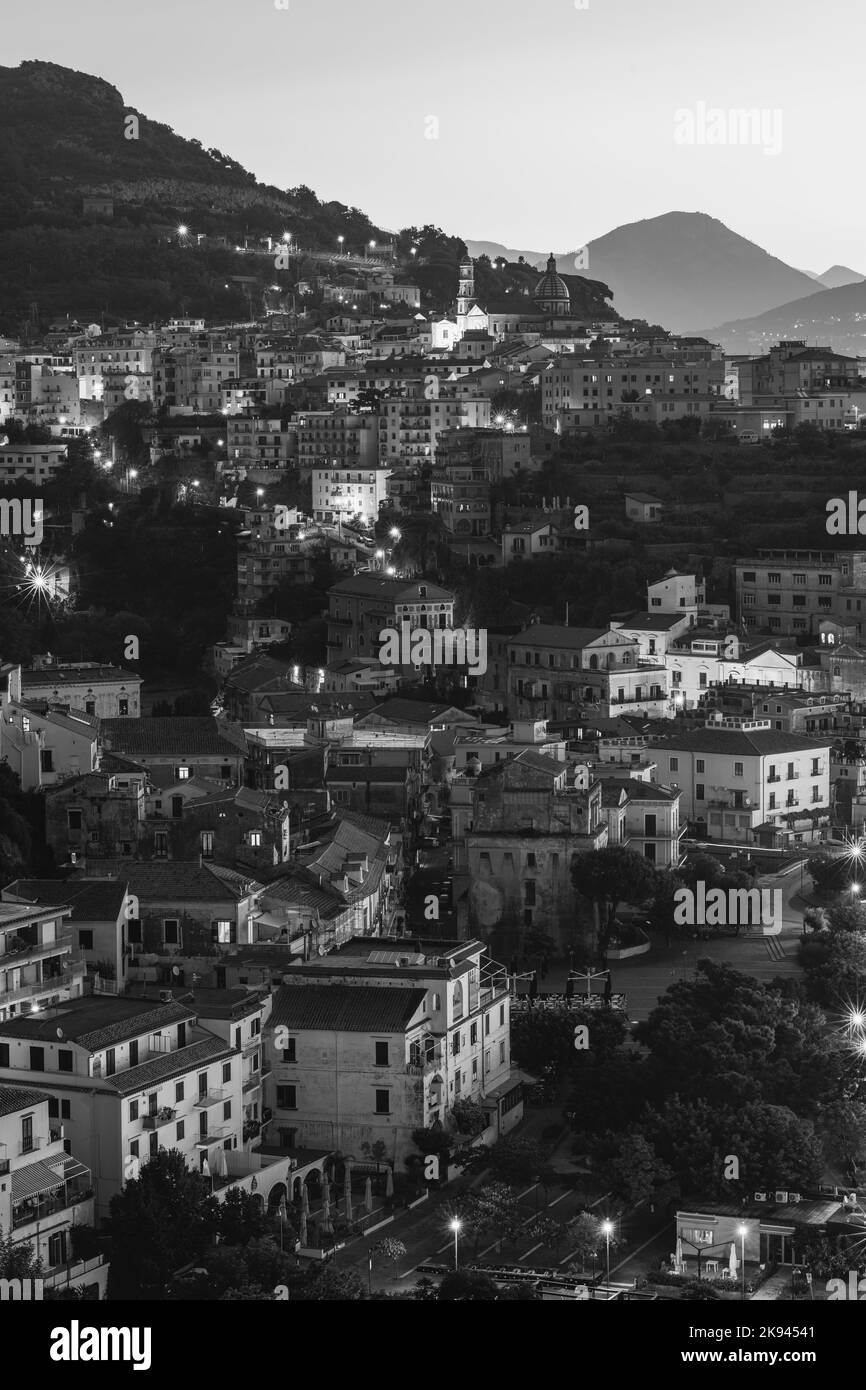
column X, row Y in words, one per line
column 215, row 1135
column 163, row 1116
column 210, row 1098
column 431, row 1061
column 29, row 1146
column 34, row 1209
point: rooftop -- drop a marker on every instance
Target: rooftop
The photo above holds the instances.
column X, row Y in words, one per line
column 96, row 1021
column 346, row 1008
column 168, row 737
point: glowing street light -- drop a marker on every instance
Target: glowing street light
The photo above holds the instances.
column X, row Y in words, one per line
column 340, row 240
column 456, row 1227
column 183, row 229
column 607, row 1231
column 395, row 532
column 260, row 492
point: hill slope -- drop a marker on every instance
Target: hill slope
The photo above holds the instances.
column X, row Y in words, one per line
column 836, row 317
column 64, row 136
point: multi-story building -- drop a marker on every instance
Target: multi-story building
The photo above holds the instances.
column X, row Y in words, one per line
column 46, row 1191
column 460, row 494
column 790, row 368
column 702, row 657
column 174, row 749
column 381, row 1038
column 338, row 438
column 45, row 745
column 363, row 604
column 131, row 1076
column 552, row 668
column 124, row 354
column 791, row 591
column 33, row 463
column 258, row 440
column 530, row 815
column 743, row 781
column 97, row 923
column 106, row 691
column 411, row 424
column 348, row 492
column 96, row 816
column 645, row 818
column 579, row 392
column 38, row 964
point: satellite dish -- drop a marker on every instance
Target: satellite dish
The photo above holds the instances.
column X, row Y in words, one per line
column 175, row 970
column 60, row 1034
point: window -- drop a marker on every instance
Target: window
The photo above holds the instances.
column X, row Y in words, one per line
column 529, row 892
column 530, row 861
column 237, row 1037
column 455, row 1043
column 4, row 1054
column 486, row 1023
column 133, row 1053
column 207, row 844
column 133, row 1111
column 178, row 1092
column 181, row 1130
column 57, row 1248
column 64, row 1059
column 227, row 1110
column 133, row 1149
column 473, row 1033
column 85, row 939
column 27, row 1134
column 700, row 765
column 110, row 1063
column 381, row 1054
column 227, row 1072
column 289, row 1050
column 699, row 791
column 287, row 1097
column 171, row 931
column 222, row 931
column 254, row 838
column 738, row 769
column 502, row 1052
column 160, row 844
column 182, row 774
column 501, row 1015
column 46, row 760
column 383, row 1102
column 37, row 1059
column 123, row 707
column 73, row 820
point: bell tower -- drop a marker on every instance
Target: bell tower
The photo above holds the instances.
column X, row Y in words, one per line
column 465, row 293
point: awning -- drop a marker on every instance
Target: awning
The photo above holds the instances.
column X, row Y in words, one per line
column 73, row 1169
column 33, row 1179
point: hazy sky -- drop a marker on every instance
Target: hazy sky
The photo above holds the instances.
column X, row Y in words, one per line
column 555, row 123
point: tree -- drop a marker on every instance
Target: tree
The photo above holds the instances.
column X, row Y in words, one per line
column 241, row 1218
column 464, row 1285
column 585, row 1237
column 469, row 1117
column 636, row 1170
column 508, row 1160
column 608, row 877
column 843, row 1129
column 160, row 1221
column 390, row 1249
column 830, row 872
column 18, row 1260
column 542, row 1037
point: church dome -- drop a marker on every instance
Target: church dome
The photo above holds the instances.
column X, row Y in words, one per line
column 551, row 292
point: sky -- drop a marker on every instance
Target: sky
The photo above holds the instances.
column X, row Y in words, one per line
column 539, row 126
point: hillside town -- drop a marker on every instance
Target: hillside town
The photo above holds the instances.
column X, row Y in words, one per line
column 371, row 928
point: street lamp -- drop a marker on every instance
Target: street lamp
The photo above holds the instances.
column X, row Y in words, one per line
column 456, row 1227
column 340, row 240
column 607, row 1229
column 741, row 1232
column 395, row 533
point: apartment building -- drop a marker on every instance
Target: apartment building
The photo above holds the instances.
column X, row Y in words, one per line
column 38, row 963
column 35, row 463
column 580, row 391
column 380, row 1038
column 131, row 1076
column 703, row 657
column 237, row 1016
column 46, row 1192
column 99, row 910
column 124, row 354
column 258, row 440
column 110, row 692
column 790, row 368
column 363, row 604
column 412, row 424
column 96, row 816
column 460, row 495
column 743, row 781
column 339, row 438
column 45, row 746
column 349, row 493
column 791, row 591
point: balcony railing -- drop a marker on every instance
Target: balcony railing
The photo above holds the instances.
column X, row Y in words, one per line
column 211, row 1098
column 33, row 1209
column 163, row 1116
column 29, row 1146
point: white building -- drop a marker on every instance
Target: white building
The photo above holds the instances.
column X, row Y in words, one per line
column 349, row 492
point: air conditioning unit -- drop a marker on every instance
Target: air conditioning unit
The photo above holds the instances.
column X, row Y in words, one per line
column 760, row 1196
column 794, row 1197
column 781, row 1196
column 165, row 996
